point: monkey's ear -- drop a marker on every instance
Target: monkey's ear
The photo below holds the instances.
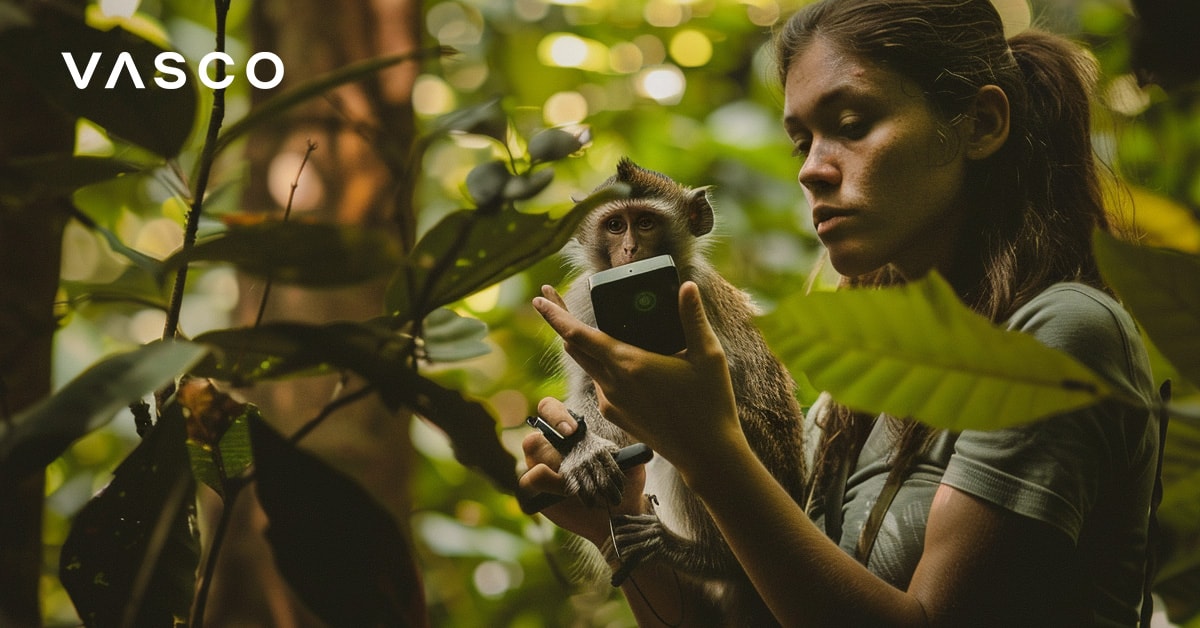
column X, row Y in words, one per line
column 699, row 211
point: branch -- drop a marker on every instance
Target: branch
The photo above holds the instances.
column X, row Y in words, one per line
column 207, row 157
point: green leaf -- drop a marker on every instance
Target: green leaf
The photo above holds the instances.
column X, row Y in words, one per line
column 234, row 451
column 55, row 175
column 469, row 250
column 277, row 105
column 133, row 542
column 486, row 183
column 451, row 338
column 552, row 145
column 278, row 350
column 527, row 185
column 471, row 429
column 38, row 435
column 153, row 117
column 1162, row 289
column 317, row 255
column 487, row 119
column 916, row 351
column 338, row 549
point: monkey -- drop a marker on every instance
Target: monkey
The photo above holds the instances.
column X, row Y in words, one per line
column 661, row 216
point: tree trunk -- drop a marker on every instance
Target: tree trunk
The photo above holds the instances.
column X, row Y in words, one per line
column 362, row 173
column 30, row 247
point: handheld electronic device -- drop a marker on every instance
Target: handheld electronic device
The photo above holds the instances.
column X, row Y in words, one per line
column 638, row 303
column 626, row 457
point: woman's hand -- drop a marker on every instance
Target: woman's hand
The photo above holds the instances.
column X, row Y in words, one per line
column 543, row 461
column 682, row 406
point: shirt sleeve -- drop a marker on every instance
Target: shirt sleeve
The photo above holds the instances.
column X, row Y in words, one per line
column 1052, row 470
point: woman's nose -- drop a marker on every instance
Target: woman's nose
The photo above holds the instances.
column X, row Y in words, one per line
column 819, row 170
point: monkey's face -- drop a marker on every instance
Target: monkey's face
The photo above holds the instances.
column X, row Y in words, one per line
column 628, row 233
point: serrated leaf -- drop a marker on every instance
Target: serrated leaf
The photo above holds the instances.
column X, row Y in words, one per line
column 236, row 456
column 315, row 255
column 451, row 338
column 38, row 435
column 337, row 548
column 469, row 250
column 133, row 541
column 1162, row 289
column 916, row 351
column 527, row 185
column 552, row 145
column 486, row 183
column 153, row 117
column 218, row 442
column 279, row 104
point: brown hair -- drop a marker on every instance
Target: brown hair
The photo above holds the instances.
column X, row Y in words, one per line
column 1036, row 201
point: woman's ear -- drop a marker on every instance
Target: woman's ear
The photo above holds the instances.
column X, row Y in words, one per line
column 989, row 122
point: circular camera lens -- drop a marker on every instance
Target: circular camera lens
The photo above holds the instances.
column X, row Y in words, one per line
column 645, row 301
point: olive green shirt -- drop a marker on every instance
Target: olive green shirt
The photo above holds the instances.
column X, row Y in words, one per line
column 1089, row 473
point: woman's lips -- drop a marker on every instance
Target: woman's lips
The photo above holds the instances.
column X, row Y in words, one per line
column 826, row 219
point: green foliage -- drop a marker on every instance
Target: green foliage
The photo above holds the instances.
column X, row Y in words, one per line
column 934, row 360
column 1162, row 288
column 928, row 358
column 318, row 255
column 314, row 88
column 471, row 249
column 38, row 435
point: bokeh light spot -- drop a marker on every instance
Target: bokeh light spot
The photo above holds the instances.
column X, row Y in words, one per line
column 691, row 48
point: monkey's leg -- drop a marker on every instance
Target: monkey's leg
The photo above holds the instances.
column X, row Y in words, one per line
column 638, row 538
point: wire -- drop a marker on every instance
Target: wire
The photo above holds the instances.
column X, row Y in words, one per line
column 612, row 534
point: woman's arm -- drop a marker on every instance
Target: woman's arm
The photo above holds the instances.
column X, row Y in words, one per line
column 982, row 565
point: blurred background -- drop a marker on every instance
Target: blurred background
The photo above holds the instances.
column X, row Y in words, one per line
column 683, row 87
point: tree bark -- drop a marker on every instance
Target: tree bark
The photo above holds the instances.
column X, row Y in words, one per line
column 361, row 172
column 30, row 248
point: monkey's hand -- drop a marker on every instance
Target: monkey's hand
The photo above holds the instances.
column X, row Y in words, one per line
column 591, row 472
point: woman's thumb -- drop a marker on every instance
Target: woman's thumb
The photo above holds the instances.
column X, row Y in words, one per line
column 696, row 330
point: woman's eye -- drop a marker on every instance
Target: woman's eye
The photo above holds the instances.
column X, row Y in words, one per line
column 615, row 225
column 853, row 128
column 800, row 148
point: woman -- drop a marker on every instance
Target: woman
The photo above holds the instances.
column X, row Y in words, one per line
column 927, row 143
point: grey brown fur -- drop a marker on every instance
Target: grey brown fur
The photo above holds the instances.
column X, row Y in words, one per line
column 681, row 532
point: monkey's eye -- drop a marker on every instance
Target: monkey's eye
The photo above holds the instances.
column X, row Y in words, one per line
column 645, row 223
column 615, row 225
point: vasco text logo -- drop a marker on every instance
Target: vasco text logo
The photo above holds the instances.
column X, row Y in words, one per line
column 171, row 75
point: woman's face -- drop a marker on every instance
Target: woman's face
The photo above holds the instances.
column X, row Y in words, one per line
column 883, row 174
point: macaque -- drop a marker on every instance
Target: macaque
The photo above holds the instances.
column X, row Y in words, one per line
column 659, row 217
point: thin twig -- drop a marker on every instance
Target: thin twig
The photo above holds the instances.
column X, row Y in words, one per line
column 233, row 488
column 330, row 408
column 287, row 213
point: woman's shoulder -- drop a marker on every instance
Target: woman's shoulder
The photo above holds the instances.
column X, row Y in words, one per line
column 1091, row 326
